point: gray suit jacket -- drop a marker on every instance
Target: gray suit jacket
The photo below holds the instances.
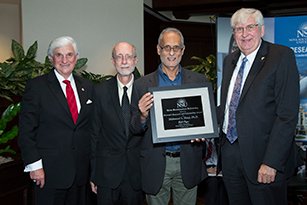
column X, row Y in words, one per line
column 153, row 160
column 267, row 112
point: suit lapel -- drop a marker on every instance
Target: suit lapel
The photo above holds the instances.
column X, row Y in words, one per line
column 227, row 74
column 82, row 96
column 55, row 87
column 256, row 67
column 186, row 79
column 113, row 93
column 153, row 81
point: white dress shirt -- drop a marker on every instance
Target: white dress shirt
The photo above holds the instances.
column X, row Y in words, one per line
column 120, row 87
column 212, row 160
column 248, row 65
column 39, row 164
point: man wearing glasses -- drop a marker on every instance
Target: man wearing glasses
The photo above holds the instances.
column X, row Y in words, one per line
column 166, row 166
column 259, row 110
column 116, row 177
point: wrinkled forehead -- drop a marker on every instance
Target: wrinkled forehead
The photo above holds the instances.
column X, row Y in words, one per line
column 124, row 49
column 171, row 38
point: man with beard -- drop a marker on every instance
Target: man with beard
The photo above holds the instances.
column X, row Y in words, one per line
column 164, row 166
column 115, row 151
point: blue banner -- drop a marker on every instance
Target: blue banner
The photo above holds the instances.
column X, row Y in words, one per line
column 292, row 32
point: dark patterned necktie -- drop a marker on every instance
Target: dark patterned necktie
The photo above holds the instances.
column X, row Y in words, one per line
column 209, row 151
column 71, row 100
column 232, row 129
column 126, row 111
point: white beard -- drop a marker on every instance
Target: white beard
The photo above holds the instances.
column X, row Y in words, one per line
column 125, row 72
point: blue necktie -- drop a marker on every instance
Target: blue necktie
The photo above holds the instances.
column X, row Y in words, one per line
column 232, row 129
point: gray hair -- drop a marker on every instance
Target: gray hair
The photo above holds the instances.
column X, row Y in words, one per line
column 170, row 29
column 60, row 42
column 243, row 14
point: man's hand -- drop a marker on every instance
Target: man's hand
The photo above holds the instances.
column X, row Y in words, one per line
column 211, row 170
column 198, row 140
column 145, row 103
column 94, row 187
column 38, row 176
column 266, row 174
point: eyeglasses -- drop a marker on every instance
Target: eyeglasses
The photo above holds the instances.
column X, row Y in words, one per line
column 67, row 56
column 120, row 58
column 248, row 28
column 168, row 48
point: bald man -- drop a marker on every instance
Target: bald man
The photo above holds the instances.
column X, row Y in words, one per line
column 116, row 177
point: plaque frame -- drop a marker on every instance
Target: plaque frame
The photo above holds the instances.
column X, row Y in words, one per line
column 162, row 135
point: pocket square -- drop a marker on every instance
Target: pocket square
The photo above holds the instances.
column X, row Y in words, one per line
column 88, row 101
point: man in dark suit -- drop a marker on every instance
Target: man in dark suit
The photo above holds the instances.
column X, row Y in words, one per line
column 257, row 139
column 116, row 175
column 214, row 188
column 54, row 133
column 166, row 166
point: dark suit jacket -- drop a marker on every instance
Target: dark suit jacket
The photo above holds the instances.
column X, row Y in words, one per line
column 47, row 130
column 113, row 153
column 153, row 160
column 267, row 112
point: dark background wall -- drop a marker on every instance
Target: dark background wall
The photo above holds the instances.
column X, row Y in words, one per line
column 200, row 40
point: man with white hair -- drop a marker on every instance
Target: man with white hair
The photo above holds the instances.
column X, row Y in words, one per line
column 54, row 129
column 259, row 110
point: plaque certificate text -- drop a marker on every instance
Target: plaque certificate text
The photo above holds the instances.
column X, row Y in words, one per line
column 183, row 112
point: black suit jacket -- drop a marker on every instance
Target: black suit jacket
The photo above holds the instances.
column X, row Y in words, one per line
column 267, row 112
column 153, row 160
column 113, row 153
column 47, row 130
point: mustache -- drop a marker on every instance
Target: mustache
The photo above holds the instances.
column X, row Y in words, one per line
column 124, row 66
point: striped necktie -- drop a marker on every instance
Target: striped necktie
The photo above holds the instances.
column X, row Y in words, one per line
column 71, row 100
column 209, row 151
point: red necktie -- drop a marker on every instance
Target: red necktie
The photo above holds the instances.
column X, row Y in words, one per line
column 71, row 100
column 209, row 151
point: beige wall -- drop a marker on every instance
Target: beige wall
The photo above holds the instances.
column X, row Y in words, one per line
column 96, row 25
column 9, row 28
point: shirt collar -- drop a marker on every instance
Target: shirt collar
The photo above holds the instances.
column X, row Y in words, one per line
column 164, row 75
column 251, row 57
column 120, row 85
column 61, row 78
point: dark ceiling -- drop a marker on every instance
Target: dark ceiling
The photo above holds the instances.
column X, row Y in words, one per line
column 184, row 9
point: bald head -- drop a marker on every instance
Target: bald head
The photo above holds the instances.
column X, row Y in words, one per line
column 122, row 45
column 124, row 58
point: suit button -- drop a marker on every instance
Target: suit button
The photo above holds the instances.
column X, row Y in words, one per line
column 73, row 147
column 74, row 129
column 128, row 150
